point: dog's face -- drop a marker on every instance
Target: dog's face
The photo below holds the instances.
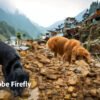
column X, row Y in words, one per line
column 20, row 77
column 17, row 75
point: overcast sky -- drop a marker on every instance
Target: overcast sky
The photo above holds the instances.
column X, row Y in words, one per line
column 46, row 12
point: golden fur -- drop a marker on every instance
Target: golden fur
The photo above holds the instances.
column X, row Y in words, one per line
column 56, row 44
column 80, row 51
column 68, row 49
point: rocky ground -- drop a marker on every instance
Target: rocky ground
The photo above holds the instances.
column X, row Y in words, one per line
column 51, row 79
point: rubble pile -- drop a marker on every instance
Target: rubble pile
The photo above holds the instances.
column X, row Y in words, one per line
column 52, row 79
column 90, row 37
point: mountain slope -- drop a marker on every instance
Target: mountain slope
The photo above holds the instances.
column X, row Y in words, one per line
column 19, row 21
column 79, row 17
column 55, row 25
column 6, row 30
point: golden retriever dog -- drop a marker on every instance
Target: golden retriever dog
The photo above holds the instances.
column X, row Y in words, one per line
column 68, row 49
column 56, row 44
column 79, row 51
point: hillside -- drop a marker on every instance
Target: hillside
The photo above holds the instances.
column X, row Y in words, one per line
column 55, row 25
column 2, row 38
column 6, row 30
column 79, row 17
column 21, row 22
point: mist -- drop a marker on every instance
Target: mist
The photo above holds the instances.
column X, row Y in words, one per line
column 7, row 6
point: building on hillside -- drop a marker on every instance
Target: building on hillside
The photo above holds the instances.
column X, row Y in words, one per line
column 70, row 22
column 94, row 18
column 70, row 27
column 13, row 40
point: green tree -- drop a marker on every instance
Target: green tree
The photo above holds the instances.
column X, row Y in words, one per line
column 19, row 35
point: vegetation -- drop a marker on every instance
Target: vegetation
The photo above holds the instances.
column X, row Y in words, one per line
column 2, row 38
column 6, row 30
